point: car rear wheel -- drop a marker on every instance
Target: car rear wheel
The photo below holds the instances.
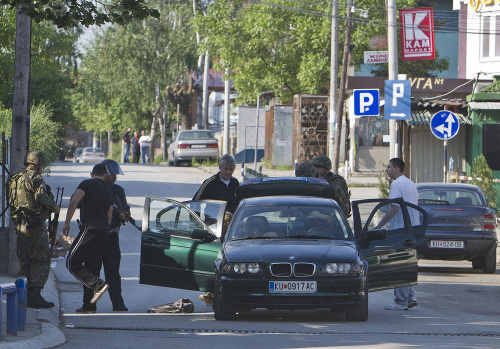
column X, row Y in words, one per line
column 360, row 313
column 490, row 263
column 177, row 162
column 220, row 310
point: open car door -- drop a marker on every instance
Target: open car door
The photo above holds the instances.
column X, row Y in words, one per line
column 392, row 262
column 180, row 242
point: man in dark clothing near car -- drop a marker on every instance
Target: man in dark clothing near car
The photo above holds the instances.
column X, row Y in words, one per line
column 323, row 165
column 112, row 255
column 222, row 185
column 84, row 260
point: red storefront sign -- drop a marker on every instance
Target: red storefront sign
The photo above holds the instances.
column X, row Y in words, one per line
column 417, row 34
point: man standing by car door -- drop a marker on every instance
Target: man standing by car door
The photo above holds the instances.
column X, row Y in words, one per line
column 84, row 260
column 401, row 187
column 112, row 255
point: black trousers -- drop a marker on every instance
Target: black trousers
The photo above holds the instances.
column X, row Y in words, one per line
column 111, row 264
column 85, row 259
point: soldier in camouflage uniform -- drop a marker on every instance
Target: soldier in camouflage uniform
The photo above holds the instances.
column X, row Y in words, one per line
column 323, row 165
column 35, row 207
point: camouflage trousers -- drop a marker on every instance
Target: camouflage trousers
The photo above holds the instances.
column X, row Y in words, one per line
column 34, row 254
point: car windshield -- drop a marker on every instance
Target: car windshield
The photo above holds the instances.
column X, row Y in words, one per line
column 93, row 150
column 289, row 222
column 184, row 136
column 450, row 197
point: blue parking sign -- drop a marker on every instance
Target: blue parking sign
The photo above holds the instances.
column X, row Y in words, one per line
column 366, row 102
column 397, row 97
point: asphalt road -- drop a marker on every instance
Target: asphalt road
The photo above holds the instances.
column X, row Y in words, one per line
column 458, row 306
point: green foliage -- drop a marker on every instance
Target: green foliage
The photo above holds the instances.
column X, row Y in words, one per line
column 53, row 58
column 124, row 64
column 158, row 159
column 268, row 164
column 384, row 183
column 210, row 163
column 44, row 132
column 482, row 176
column 72, row 13
column 283, row 45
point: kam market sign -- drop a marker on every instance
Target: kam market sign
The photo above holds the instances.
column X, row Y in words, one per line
column 417, row 34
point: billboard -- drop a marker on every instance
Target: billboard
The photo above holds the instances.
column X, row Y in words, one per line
column 417, row 34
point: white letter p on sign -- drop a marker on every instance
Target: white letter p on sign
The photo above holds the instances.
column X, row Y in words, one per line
column 365, row 100
column 398, row 90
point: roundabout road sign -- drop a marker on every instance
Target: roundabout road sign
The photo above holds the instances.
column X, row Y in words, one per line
column 444, row 125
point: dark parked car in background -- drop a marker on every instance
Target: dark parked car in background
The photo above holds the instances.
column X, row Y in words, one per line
column 461, row 225
column 280, row 252
column 198, row 144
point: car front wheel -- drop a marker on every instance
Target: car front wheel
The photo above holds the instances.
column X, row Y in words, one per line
column 360, row 313
column 490, row 263
column 220, row 310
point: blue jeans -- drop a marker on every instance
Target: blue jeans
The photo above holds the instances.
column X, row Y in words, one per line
column 145, row 155
column 127, row 153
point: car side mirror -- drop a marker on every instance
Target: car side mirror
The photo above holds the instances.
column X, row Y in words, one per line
column 203, row 235
column 376, row 234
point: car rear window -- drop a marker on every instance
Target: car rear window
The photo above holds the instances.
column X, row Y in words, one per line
column 184, row 136
column 450, row 197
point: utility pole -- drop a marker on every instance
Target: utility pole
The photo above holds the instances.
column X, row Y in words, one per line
column 20, row 135
column 392, row 48
column 205, row 91
column 340, row 108
column 199, row 99
column 225, row 147
column 334, row 72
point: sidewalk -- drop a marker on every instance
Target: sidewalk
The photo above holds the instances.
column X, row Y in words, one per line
column 42, row 325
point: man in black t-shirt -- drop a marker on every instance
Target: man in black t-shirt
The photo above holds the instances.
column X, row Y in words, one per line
column 85, row 257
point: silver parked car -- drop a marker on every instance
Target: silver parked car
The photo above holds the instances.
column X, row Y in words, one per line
column 92, row 155
column 461, row 225
column 198, row 144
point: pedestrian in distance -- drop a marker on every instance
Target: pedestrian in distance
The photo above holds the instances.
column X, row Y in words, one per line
column 84, row 260
column 112, row 254
column 144, row 142
column 222, row 185
column 401, row 187
column 136, row 148
column 31, row 204
column 127, row 142
column 323, row 165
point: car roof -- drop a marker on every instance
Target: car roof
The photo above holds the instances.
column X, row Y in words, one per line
column 278, row 186
column 447, row 186
column 289, row 200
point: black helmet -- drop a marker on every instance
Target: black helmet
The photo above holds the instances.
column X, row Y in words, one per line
column 112, row 167
column 34, row 157
column 322, row 161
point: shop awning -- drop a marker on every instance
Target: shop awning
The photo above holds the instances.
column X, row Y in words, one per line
column 423, row 117
column 485, row 105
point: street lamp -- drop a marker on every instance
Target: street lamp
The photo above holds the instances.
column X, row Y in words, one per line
column 257, row 128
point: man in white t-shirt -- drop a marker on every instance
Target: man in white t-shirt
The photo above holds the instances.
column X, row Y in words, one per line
column 144, row 142
column 401, row 187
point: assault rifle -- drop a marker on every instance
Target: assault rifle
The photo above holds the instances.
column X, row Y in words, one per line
column 129, row 217
column 54, row 223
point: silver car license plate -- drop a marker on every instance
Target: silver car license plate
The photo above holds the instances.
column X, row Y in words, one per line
column 446, row 244
column 292, row 286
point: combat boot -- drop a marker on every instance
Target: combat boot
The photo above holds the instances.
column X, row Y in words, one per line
column 35, row 299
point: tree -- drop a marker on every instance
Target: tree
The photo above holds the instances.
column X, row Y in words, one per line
column 73, row 13
column 117, row 86
column 483, row 177
column 282, row 47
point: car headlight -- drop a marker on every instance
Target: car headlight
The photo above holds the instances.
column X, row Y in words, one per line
column 241, row 268
column 344, row 269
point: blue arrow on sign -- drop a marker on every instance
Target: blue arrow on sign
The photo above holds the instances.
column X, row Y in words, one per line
column 444, row 125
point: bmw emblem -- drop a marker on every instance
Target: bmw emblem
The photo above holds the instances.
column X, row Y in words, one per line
column 292, row 258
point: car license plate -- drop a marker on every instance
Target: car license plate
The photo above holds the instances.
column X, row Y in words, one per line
column 292, row 286
column 198, row 145
column 446, row 244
